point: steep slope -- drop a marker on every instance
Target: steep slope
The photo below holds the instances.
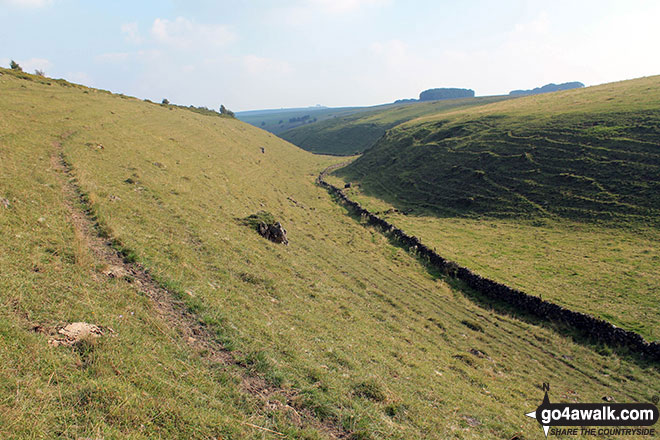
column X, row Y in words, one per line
column 340, row 324
column 585, row 154
column 354, row 133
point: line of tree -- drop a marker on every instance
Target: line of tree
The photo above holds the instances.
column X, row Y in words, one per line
column 445, row 93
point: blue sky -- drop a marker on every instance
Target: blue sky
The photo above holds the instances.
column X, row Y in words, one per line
column 272, row 54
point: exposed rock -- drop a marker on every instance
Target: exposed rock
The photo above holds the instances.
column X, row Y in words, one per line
column 347, row 185
column 273, row 232
column 472, row 421
column 76, row 332
column 114, row 272
column 477, row 353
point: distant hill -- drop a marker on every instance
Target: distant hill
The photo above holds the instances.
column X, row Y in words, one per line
column 548, row 88
column 354, row 133
column 589, row 154
column 445, row 93
column 277, row 121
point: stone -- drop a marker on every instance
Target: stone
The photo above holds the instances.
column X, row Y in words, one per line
column 273, row 232
column 76, row 332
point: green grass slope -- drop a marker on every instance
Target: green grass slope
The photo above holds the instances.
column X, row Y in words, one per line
column 353, row 133
column 588, row 154
column 556, row 195
column 369, row 340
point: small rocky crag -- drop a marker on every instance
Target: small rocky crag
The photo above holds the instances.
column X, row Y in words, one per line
column 264, row 223
column 273, row 232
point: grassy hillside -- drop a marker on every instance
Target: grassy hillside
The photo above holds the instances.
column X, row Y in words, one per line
column 554, row 194
column 588, row 154
column 339, row 324
column 353, row 133
column 609, row 272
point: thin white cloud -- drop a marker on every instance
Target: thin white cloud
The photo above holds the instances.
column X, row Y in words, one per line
column 143, row 56
column 113, row 57
column 343, row 6
column 187, row 34
column 306, row 12
column 34, row 4
column 131, row 33
column 255, row 65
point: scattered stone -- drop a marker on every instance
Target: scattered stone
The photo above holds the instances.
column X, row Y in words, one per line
column 472, row 421
column 608, row 398
column 100, row 147
column 115, row 272
column 159, row 165
column 264, row 223
column 477, row 353
column 76, row 332
column 5, row 203
column 41, row 219
column 114, row 198
column 39, row 329
column 273, row 232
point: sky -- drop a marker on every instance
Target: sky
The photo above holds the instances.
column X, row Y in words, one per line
column 257, row 54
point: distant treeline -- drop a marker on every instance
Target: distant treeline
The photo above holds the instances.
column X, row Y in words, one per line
column 548, row 88
column 439, row 94
column 301, row 119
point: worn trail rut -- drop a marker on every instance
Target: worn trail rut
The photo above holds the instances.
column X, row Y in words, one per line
column 174, row 312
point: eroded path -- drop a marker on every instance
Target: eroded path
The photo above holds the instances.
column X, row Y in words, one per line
column 174, row 311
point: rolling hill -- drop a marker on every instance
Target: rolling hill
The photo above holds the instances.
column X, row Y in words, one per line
column 277, row 121
column 131, row 216
column 585, row 154
column 555, row 194
column 354, row 133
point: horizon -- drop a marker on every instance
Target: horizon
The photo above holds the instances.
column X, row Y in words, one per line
column 347, row 53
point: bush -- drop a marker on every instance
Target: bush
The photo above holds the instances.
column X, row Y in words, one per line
column 39, row 72
column 165, row 101
column 14, row 66
column 225, row 111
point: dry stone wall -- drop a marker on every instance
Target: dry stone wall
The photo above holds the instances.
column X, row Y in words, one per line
column 590, row 326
